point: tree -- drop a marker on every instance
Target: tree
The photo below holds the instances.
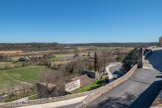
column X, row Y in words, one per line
column 95, row 62
column 75, row 67
column 131, row 59
column 76, row 55
column 102, row 60
column 46, row 77
column 89, row 54
column 3, row 58
column 119, row 58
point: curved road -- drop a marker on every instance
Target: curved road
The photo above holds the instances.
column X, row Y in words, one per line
column 137, row 92
column 115, row 70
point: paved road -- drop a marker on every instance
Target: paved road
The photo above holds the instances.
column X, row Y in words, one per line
column 70, row 103
column 115, row 70
column 137, row 92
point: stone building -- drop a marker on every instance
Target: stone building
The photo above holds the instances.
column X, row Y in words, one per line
column 50, row 90
column 160, row 41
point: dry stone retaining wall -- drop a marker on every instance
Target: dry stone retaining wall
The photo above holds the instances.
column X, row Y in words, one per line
column 42, row 101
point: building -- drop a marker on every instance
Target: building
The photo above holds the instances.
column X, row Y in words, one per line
column 160, row 41
column 78, row 82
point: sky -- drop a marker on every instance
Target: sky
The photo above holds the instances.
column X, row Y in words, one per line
column 80, row 21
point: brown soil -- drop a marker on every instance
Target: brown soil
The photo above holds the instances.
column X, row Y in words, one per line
column 11, row 52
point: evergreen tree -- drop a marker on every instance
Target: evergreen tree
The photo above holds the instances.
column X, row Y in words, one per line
column 95, row 62
column 131, row 59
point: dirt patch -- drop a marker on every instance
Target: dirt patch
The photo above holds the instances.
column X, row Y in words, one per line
column 61, row 62
column 11, row 52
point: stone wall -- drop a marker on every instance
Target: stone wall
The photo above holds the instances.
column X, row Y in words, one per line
column 102, row 90
column 140, row 62
column 147, row 53
column 42, row 101
column 160, row 41
column 144, row 53
column 158, row 101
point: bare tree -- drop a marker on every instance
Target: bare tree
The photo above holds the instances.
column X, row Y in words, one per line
column 75, row 67
column 12, row 88
column 46, row 77
column 103, row 60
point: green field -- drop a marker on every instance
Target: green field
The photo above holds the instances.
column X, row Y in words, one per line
column 10, row 64
column 13, row 76
column 56, row 59
column 93, row 85
column 6, row 81
column 113, row 48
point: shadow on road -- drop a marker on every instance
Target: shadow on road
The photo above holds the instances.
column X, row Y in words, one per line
column 148, row 96
column 117, row 74
column 116, row 102
column 155, row 59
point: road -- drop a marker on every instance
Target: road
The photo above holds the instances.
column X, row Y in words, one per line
column 71, row 103
column 115, row 70
column 139, row 91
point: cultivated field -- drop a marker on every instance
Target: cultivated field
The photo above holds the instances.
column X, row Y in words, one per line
column 10, row 64
column 15, row 74
column 17, row 77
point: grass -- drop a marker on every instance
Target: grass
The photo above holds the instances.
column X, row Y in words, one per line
column 86, row 57
column 64, row 55
column 29, row 73
column 113, row 48
column 9, row 100
column 93, row 85
column 33, row 97
column 6, row 81
column 56, row 59
column 109, row 48
column 16, row 58
column 10, row 64
column 22, row 96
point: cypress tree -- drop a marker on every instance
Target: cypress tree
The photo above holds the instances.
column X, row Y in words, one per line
column 95, row 62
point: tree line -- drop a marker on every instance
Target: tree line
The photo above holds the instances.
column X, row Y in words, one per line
column 138, row 45
column 30, row 46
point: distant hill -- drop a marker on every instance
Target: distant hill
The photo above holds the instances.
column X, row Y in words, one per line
column 117, row 44
column 30, row 46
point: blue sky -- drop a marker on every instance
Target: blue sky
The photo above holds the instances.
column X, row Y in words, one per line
column 80, row 21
